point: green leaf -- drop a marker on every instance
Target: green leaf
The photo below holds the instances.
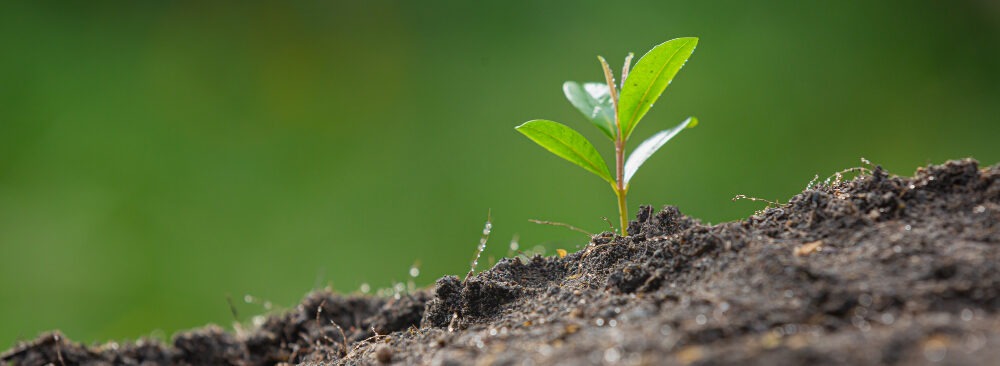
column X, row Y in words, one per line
column 567, row 144
column 649, row 78
column 594, row 101
column 648, row 148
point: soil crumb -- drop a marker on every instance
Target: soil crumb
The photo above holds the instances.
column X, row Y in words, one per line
column 878, row 269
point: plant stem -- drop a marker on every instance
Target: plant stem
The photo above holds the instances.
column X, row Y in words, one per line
column 622, row 211
column 620, row 190
column 620, row 155
column 619, row 187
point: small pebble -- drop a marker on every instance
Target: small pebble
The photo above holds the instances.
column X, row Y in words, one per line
column 701, row 319
column 888, row 319
column 967, row 315
column 612, row 355
column 383, row 354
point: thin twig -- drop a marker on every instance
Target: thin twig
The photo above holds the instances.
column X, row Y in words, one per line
column 487, row 228
column 295, row 352
column 343, row 338
column 562, row 224
column 839, row 176
column 319, row 328
column 232, row 308
column 867, row 162
column 755, row 199
column 813, row 181
column 362, row 342
column 59, row 355
column 610, row 225
column 319, row 309
column 453, row 322
column 770, row 204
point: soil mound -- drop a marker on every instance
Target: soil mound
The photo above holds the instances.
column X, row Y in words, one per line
column 879, row 269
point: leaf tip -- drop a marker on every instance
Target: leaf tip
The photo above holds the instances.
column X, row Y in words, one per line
column 524, row 125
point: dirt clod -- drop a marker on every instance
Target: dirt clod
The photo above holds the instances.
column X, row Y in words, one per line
column 383, row 354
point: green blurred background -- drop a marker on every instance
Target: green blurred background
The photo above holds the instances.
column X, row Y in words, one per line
column 156, row 157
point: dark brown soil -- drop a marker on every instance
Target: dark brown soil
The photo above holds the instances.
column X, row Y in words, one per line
column 875, row 270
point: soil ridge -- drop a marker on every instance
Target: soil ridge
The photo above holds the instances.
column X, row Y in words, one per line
column 878, row 269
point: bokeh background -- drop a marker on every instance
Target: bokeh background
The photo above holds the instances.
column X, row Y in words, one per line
column 157, row 157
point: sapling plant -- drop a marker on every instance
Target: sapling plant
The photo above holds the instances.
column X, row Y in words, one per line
column 616, row 111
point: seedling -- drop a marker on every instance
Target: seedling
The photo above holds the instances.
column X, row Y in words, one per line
column 616, row 113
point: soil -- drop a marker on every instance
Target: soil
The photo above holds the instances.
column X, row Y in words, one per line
column 878, row 269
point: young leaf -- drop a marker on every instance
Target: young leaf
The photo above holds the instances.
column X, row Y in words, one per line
column 649, row 78
column 648, row 148
column 594, row 101
column 567, row 144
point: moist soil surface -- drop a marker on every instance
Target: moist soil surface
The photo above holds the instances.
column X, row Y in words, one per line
column 878, row 269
